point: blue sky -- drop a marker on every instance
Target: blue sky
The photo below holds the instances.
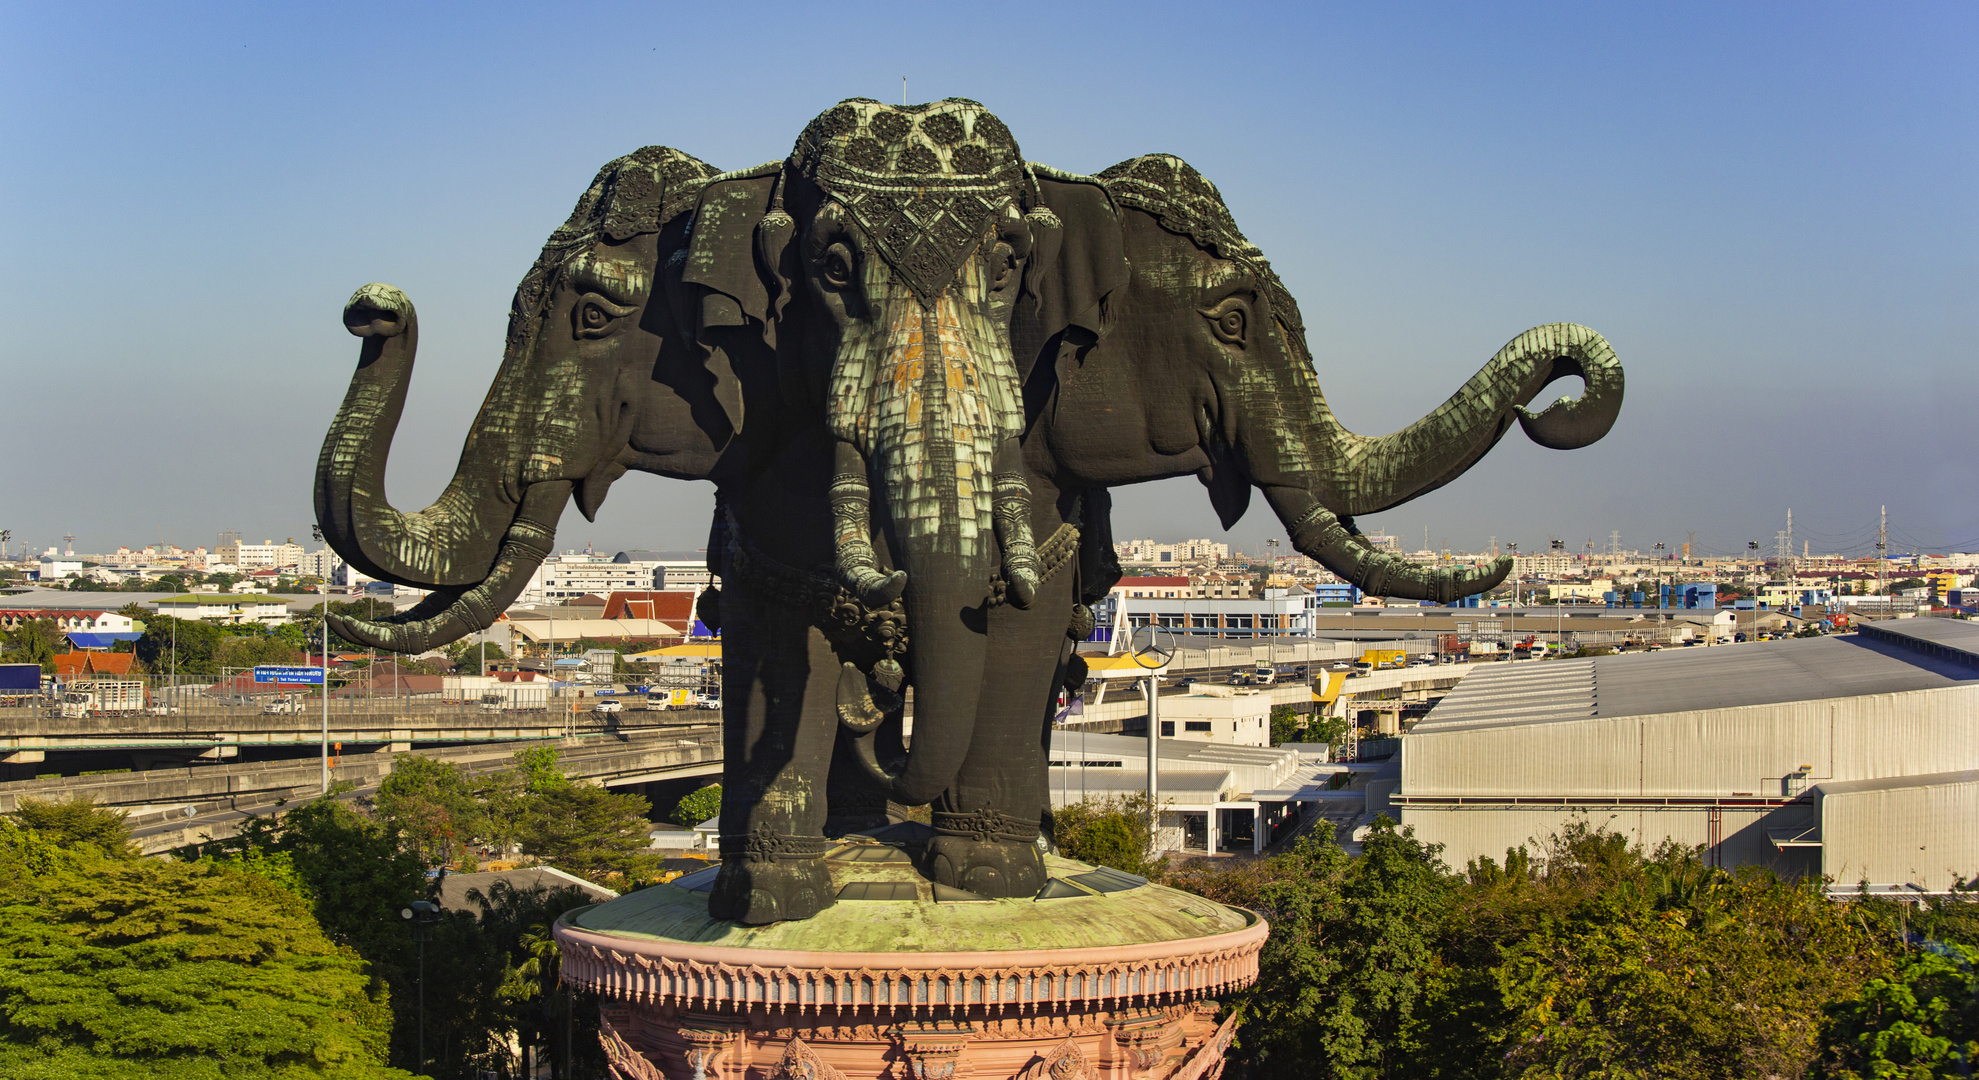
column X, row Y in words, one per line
column 1768, row 209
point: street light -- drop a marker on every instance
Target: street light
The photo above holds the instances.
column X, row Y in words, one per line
column 1153, row 648
column 422, row 915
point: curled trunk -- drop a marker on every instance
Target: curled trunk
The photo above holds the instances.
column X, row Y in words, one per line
column 1316, row 474
column 1357, row 474
column 453, row 543
column 452, row 613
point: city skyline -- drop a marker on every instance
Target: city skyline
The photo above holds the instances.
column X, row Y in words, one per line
column 1766, row 210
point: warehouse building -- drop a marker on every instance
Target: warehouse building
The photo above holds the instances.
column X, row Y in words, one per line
column 1855, row 757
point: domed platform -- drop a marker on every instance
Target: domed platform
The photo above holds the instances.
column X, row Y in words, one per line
column 1101, row 974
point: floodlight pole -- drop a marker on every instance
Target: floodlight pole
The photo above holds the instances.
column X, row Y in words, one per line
column 1154, row 749
column 324, row 589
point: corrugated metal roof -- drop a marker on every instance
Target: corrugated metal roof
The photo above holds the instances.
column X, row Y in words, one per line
column 1642, row 684
column 1892, row 783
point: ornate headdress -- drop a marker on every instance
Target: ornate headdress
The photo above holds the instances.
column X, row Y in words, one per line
column 1185, row 202
column 637, row 193
column 925, row 182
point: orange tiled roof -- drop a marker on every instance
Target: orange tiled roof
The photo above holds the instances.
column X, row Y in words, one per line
column 663, row 606
column 74, row 664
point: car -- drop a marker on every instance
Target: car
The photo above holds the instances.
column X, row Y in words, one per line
column 1189, row 681
column 162, row 710
column 609, row 705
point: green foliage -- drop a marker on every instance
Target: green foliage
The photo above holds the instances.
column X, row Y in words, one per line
column 697, row 806
column 1287, row 725
column 467, row 655
column 78, row 821
column 538, row 766
column 432, row 804
column 1920, row 1022
column 35, row 641
column 1591, row 959
column 1111, row 831
column 118, row 968
column 590, row 832
column 528, row 1002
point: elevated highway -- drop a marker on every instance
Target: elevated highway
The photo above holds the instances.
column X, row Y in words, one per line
column 174, row 807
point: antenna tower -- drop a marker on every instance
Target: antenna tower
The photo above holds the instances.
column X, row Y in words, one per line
column 1882, row 547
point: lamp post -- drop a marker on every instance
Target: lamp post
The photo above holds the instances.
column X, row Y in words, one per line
column 422, row 914
column 1153, row 648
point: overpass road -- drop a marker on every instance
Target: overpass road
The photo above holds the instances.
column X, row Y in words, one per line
column 173, row 807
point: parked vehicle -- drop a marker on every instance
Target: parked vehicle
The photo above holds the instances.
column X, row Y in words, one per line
column 102, row 697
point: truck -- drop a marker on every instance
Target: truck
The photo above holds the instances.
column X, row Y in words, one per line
column 516, row 697
column 1385, row 658
column 102, row 697
column 19, row 683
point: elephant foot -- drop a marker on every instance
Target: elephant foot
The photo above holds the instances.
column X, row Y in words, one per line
column 987, row 854
column 754, row 892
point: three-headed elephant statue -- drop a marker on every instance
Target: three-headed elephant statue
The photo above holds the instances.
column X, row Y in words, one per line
column 913, row 364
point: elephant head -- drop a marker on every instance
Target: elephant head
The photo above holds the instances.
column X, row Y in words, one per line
column 593, row 381
column 1205, row 370
column 889, row 258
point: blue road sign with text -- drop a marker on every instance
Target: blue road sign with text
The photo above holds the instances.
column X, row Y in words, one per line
column 312, row 676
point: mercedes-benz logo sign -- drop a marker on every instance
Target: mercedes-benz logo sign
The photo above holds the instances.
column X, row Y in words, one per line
column 1153, row 647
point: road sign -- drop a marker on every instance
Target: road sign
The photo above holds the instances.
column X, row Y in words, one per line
column 311, row 676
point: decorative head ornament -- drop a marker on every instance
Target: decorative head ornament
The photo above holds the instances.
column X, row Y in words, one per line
column 1185, row 202
column 925, row 182
column 634, row 194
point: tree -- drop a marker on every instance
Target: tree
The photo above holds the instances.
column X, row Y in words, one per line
column 34, row 641
column 1920, row 1021
column 466, row 656
column 78, row 821
column 113, row 968
column 590, row 832
column 697, row 806
column 1286, row 724
column 432, row 804
column 187, row 646
column 532, row 1006
column 1112, row 831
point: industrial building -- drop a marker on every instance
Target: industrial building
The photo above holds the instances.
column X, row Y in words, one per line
column 1854, row 757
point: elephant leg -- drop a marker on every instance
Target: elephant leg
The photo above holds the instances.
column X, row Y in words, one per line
column 986, row 823
column 779, row 685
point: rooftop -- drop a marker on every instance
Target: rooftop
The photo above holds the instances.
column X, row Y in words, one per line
column 1892, row 660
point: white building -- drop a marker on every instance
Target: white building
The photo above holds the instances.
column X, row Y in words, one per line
column 265, row 555
column 1854, row 757
column 573, row 574
column 1228, row 715
column 226, row 608
column 52, row 569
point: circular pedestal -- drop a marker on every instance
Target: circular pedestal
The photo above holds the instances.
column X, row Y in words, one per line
column 1101, row 975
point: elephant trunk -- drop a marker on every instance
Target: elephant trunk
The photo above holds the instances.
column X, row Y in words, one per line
column 929, row 395
column 1355, row 474
column 452, row 543
column 451, row 613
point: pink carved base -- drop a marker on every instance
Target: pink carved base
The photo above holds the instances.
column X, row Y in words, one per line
column 689, row 1011
column 1170, row 1042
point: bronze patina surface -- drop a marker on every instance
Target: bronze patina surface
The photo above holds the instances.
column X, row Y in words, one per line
column 913, row 364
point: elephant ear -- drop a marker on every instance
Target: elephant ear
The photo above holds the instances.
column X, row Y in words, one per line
column 728, row 291
column 1074, row 267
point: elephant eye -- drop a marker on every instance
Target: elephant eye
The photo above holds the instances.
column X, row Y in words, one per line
column 1229, row 320
column 594, row 316
column 835, row 266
